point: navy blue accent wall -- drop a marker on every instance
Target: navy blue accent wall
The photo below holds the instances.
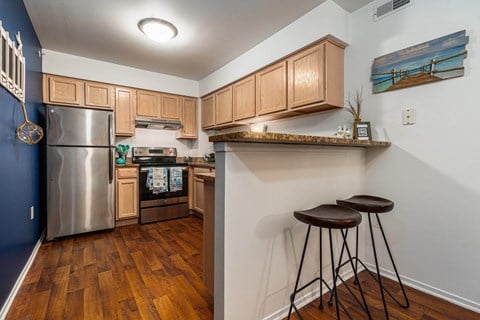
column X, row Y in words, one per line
column 19, row 163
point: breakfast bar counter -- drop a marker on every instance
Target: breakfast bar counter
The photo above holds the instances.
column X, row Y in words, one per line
column 297, row 139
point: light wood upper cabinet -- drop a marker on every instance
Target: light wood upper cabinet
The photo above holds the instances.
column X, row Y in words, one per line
column 244, row 99
column 189, row 119
column 148, row 104
column 126, row 201
column 315, row 76
column 306, row 71
column 271, row 87
column 99, row 95
column 208, row 111
column 125, row 111
column 223, row 106
column 62, row 90
column 170, row 107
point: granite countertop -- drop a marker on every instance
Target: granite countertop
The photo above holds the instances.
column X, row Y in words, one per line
column 127, row 165
column 202, row 164
column 206, row 176
column 284, row 138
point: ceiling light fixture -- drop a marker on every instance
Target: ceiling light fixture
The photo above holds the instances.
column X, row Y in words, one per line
column 157, row 29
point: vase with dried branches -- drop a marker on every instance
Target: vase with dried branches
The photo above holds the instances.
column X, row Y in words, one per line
column 354, row 107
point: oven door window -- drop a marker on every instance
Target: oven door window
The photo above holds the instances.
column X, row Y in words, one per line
column 147, row 194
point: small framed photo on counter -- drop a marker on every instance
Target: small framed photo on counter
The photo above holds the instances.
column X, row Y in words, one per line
column 362, row 131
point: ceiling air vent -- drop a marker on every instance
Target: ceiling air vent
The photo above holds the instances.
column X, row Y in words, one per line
column 389, row 8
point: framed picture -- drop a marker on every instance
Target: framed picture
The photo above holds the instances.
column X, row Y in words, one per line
column 362, row 131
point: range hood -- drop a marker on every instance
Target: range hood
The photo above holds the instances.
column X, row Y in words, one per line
column 158, row 124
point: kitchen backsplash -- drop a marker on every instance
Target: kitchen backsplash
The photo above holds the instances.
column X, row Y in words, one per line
column 166, row 138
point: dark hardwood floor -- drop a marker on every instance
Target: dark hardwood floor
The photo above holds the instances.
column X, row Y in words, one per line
column 422, row 305
column 148, row 271
column 154, row 271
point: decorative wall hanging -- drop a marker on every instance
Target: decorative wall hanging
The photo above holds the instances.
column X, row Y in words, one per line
column 12, row 64
column 431, row 61
column 12, row 77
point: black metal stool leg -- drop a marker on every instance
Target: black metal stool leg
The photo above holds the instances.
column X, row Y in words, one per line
column 377, row 266
column 407, row 303
column 321, row 268
column 367, row 311
column 292, row 296
column 333, row 274
column 356, row 253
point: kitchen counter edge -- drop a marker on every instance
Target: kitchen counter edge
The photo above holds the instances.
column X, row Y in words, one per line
column 285, row 138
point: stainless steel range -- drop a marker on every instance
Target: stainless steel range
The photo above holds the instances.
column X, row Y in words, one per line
column 163, row 184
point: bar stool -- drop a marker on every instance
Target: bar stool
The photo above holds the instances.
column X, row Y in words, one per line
column 328, row 216
column 376, row 205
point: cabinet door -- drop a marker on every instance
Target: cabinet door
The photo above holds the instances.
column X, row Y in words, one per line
column 127, row 198
column 189, row 119
column 271, row 88
column 147, row 104
column 170, row 107
column 223, row 106
column 124, row 112
column 198, row 195
column 244, row 99
column 306, row 77
column 61, row 90
column 208, row 111
column 99, row 95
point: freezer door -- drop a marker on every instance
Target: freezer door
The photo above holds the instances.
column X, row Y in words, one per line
column 68, row 126
column 80, row 190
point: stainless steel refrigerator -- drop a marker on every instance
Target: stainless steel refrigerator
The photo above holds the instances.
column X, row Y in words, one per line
column 80, row 170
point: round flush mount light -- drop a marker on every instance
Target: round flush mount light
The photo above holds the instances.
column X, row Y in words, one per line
column 157, row 29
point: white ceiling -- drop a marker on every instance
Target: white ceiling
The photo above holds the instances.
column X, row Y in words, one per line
column 210, row 32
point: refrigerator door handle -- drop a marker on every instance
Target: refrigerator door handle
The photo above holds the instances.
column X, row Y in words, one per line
column 110, row 164
column 110, row 128
column 110, row 151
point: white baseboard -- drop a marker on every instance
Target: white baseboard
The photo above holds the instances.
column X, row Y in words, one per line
column 21, row 277
column 307, row 298
column 439, row 293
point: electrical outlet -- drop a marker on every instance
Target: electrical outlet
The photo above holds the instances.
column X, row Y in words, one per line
column 408, row 116
column 32, row 212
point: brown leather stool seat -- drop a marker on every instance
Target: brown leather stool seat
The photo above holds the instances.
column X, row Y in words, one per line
column 366, row 203
column 329, row 216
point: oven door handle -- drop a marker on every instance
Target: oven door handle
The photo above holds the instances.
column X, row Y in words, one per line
column 146, row 169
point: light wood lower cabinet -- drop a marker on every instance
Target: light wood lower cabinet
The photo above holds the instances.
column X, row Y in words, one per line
column 198, row 196
column 126, row 193
column 196, row 189
column 125, row 111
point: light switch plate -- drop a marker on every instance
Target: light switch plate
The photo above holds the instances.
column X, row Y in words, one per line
column 408, row 116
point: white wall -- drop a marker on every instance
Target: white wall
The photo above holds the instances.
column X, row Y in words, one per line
column 431, row 171
column 258, row 186
column 327, row 18
column 79, row 67
column 89, row 69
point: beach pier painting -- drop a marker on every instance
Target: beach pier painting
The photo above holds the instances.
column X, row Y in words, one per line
column 431, row 61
